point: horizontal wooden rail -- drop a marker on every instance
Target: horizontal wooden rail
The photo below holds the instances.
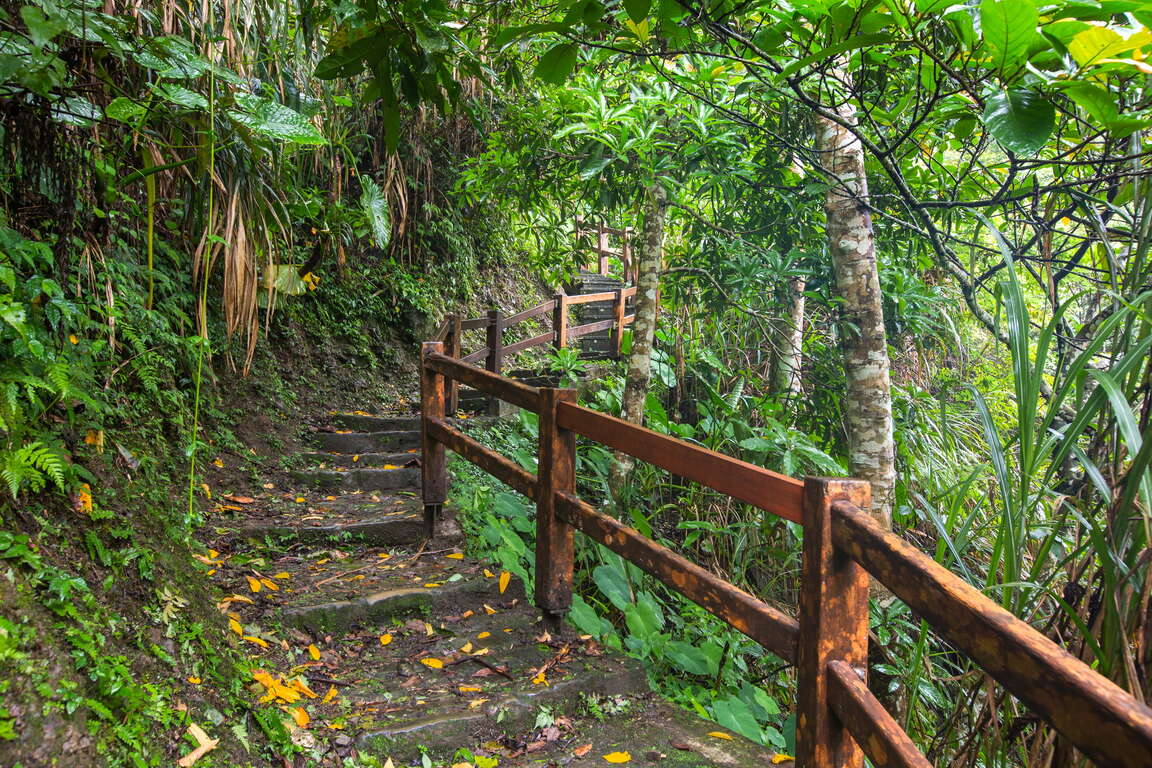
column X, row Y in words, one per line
column 474, row 323
column 773, row 629
column 590, row 298
column 876, row 731
column 629, row 292
column 509, row 390
column 476, row 356
column 504, row 470
column 539, row 309
column 1091, row 711
column 535, row 341
column 772, row 492
column 587, row 328
column 444, row 330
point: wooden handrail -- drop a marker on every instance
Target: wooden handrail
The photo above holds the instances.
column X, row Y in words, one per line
column 839, row 720
column 779, row 494
column 1095, row 714
column 774, row 630
column 539, row 309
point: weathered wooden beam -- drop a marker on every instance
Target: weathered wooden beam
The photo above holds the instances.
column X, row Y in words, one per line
column 833, row 626
column 495, row 361
column 433, row 403
column 1101, row 719
column 477, row 356
column 508, row 390
column 591, row 298
column 618, row 312
column 556, row 464
column 452, row 349
column 535, row 341
column 874, row 729
column 763, row 488
column 475, row 323
column 587, row 328
column 742, row 611
column 560, row 321
column 504, row 470
column 536, row 311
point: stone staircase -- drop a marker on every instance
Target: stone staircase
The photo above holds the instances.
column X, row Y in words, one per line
column 373, row 640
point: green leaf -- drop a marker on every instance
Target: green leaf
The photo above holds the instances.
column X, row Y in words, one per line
column 125, row 110
column 1021, row 120
column 180, row 96
column 375, row 209
column 703, row 660
column 557, row 63
column 1097, row 102
column 1008, row 26
column 638, row 10
column 735, row 715
column 275, row 121
column 614, row 586
column 42, row 28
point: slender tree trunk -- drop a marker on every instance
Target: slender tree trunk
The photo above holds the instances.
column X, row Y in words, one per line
column 851, row 244
column 788, row 353
column 648, row 263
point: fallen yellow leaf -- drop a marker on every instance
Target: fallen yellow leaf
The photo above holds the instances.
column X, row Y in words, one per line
column 428, row 629
column 489, row 609
column 469, row 689
column 475, row 703
column 466, row 648
column 540, row 679
column 236, row 626
column 282, row 575
column 253, row 639
column 483, row 635
column 617, row 757
column 270, row 584
column 73, row 338
column 85, row 497
column 432, row 585
column 194, row 680
column 433, row 663
column 204, row 746
column 385, row 639
column 331, row 694
column 219, row 462
column 299, row 499
column 780, row 757
column 488, row 574
column 335, row 726
column 720, row 735
column 505, row 577
column 314, row 652
column 300, row 716
column 455, row 556
column 254, row 584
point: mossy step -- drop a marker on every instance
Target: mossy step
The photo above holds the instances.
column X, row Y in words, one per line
column 407, row 528
column 319, row 459
column 369, row 479
column 362, row 422
column 387, row 441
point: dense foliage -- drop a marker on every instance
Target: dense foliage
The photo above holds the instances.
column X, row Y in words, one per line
column 181, row 184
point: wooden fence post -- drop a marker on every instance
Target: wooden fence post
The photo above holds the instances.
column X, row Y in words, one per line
column 433, row 478
column 495, row 353
column 453, row 351
column 560, row 321
column 556, row 471
column 618, row 326
column 602, row 248
column 833, row 625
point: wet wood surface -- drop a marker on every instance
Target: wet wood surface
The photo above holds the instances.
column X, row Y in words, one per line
column 587, row 328
column 504, row 470
column 772, row 492
column 506, row 389
column 557, row 473
column 1092, row 712
column 744, row 612
column 833, row 625
column 535, row 341
column 874, row 729
column 536, row 311
column 433, row 403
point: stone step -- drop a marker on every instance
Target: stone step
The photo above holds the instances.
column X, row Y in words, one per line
column 321, row 460
column 361, row 422
column 369, row 479
column 308, row 517
column 367, row 442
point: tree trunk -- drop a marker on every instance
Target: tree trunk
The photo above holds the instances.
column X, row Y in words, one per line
column 788, row 352
column 850, row 242
column 649, row 259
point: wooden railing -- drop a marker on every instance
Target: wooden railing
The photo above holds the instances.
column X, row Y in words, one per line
column 495, row 351
column 604, row 252
column 839, row 720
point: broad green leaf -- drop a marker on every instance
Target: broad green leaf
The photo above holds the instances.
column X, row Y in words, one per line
column 614, row 586
column 375, row 209
column 42, row 28
column 638, row 9
column 285, row 279
column 557, row 63
column 735, row 715
column 180, row 96
column 1097, row 102
column 1096, row 43
column 1021, row 120
column 1008, row 27
column 125, row 110
column 275, row 121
